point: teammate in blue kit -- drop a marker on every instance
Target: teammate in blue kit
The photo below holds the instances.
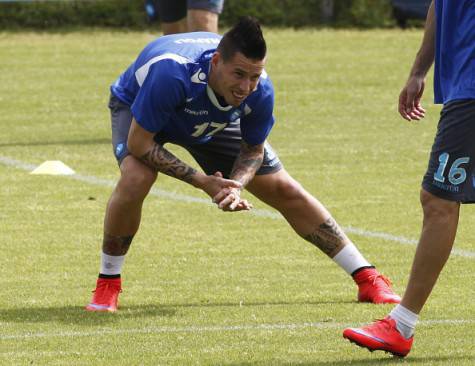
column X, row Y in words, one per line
column 179, row 16
column 212, row 96
column 450, row 178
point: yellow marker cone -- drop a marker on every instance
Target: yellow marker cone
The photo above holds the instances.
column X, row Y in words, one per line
column 53, row 167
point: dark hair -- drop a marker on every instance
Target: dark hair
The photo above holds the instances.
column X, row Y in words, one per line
column 245, row 37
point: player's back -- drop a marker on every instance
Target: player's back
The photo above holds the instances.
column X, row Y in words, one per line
column 183, row 48
column 187, row 45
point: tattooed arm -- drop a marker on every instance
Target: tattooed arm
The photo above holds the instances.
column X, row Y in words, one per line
column 247, row 163
column 143, row 147
column 245, row 167
column 160, row 159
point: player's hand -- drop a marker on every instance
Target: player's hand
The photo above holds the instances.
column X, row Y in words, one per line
column 213, row 184
column 410, row 99
column 229, row 199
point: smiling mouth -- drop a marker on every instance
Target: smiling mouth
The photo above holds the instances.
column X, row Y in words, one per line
column 238, row 95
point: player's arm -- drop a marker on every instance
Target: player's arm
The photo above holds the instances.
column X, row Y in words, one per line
column 247, row 163
column 142, row 145
column 245, row 167
column 410, row 97
column 255, row 127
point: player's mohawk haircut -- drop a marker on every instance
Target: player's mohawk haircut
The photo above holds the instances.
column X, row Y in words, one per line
column 245, row 37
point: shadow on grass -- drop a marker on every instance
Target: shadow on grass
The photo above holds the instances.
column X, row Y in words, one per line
column 385, row 360
column 100, row 141
column 79, row 316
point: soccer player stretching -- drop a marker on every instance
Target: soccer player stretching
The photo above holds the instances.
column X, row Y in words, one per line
column 211, row 95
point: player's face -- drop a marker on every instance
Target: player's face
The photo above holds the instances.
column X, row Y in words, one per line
column 236, row 78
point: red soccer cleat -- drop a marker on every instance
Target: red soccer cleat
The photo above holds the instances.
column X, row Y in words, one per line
column 374, row 287
column 381, row 335
column 106, row 295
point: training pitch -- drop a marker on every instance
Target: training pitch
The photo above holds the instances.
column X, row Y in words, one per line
column 203, row 287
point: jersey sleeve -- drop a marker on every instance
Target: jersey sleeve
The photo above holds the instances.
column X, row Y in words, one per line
column 163, row 89
column 258, row 118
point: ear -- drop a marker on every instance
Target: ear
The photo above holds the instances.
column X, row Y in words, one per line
column 215, row 58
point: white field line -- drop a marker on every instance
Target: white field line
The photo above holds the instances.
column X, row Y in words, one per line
column 215, row 328
column 256, row 212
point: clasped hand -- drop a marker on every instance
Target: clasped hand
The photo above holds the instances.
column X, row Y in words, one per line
column 226, row 193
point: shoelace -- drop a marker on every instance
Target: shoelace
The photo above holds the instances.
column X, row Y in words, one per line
column 382, row 325
column 385, row 286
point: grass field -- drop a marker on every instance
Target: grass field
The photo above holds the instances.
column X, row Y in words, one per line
column 202, row 287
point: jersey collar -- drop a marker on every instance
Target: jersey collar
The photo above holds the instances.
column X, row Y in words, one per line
column 214, row 100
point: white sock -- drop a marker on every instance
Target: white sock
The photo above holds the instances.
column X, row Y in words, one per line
column 111, row 264
column 405, row 320
column 350, row 259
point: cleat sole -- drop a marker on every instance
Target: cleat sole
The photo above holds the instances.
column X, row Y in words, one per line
column 96, row 309
column 395, row 354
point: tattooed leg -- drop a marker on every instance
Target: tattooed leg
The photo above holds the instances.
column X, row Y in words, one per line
column 116, row 245
column 328, row 237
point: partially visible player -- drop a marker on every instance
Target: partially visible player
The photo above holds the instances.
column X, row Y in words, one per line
column 212, row 96
column 450, row 178
column 179, row 16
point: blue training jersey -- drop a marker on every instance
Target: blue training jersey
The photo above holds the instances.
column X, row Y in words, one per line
column 168, row 92
column 454, row 70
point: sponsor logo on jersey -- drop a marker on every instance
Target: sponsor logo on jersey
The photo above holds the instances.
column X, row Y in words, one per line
column 196, row 113
column 198, row 77
column 198, row 40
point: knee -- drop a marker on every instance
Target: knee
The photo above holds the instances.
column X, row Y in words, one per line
column 289, row 190
column 134, row 184
column 437, row 209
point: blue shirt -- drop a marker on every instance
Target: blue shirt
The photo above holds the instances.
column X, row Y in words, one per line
column 167, row 89
column 454, row 70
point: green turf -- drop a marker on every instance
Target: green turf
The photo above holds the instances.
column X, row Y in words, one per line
column 202, row 287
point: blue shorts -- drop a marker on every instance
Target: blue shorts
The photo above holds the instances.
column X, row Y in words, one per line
column 451, row 171
column 218, row 154
column 171, row 11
